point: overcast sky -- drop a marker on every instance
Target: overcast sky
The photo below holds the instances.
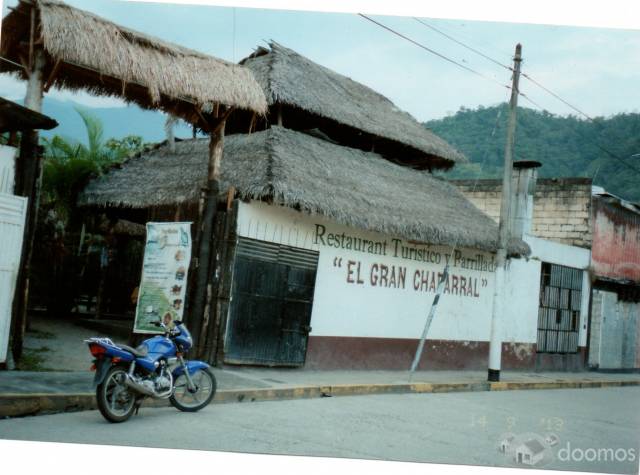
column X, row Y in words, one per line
column 598, row 70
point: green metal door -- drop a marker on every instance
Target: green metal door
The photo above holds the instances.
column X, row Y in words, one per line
column 271, row 302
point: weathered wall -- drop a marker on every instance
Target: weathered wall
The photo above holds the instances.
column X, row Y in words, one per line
column 561, row 210
column 358, row 320
column 616, row 241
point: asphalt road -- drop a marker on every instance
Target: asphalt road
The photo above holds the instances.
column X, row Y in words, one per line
column 595, row 429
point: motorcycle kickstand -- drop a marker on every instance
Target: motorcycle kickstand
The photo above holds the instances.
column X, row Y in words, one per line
column 138, row 403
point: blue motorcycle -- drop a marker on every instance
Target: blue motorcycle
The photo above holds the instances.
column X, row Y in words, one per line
column 126, row 376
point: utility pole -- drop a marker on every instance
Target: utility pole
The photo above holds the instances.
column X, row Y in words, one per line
column 495, row 344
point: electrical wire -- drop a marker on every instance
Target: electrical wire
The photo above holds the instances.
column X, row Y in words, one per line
column 537, row 83
column 432, row 51
column 556, row 96
column 509, row 68
column 463, row 44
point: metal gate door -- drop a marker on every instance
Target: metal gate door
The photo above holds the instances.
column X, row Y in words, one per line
column 13, row 210
column 271, row 301
column 615, row 332
column 559, row 311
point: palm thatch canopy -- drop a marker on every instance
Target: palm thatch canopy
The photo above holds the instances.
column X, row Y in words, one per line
column 293, row 80
column 297, row 170
column 85, row 51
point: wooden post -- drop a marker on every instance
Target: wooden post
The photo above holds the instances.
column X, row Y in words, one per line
column 104, row 263
column 202, row 294
column 225, row 283
column 28, row 181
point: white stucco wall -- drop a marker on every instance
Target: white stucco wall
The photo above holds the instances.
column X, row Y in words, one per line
column 347, row 303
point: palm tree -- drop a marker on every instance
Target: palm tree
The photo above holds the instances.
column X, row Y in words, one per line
column 69, row 163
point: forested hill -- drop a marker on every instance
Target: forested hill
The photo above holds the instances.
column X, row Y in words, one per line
column 566, row 146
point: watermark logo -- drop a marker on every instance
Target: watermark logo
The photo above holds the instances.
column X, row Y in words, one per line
column 535, row 450
column 567, row 453
column 528, row 449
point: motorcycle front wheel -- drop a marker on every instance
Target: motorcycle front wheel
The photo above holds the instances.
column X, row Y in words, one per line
column 115, row 400
column 193, row 400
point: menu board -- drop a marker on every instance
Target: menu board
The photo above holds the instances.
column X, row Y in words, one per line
column 162, row 291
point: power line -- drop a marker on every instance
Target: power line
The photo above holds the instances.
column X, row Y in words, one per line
column 458, row 33
column 556, row 96
column 537, row 83
column 531, row 101
column 463, row 44
column 524, row 96
column 420, row 45
column 600, row 147
column 480, row 53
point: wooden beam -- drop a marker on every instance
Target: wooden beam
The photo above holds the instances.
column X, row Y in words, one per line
column 231, row 193
column 25, row 65
column 221, row 121
column 52, row 76
column 32, row 32
column 25, row 44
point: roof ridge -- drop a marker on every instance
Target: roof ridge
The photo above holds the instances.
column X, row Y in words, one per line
column 293, row 79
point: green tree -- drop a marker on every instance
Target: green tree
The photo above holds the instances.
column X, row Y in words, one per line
column 566, row 146
column 69, row 163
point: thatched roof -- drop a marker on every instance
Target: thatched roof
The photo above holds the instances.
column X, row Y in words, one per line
column 14, row 117
column 104, row 58
column 294, row 169
column 292, row 79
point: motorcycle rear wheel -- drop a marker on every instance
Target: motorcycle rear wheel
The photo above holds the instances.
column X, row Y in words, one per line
column 116, row 401
column 192, row 401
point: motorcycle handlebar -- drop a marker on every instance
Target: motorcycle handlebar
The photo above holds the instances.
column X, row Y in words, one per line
column 167, row 330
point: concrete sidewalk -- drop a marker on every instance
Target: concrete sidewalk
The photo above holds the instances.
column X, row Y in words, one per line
column 29, row 393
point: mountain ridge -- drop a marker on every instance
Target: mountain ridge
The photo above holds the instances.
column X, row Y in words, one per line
column 565, row 145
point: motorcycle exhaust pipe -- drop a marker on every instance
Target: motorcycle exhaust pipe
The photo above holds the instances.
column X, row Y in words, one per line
column 139, row 387
column 144, row 389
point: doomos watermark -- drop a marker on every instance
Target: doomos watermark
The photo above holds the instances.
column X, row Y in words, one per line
column 591, row 454
column 536, row 450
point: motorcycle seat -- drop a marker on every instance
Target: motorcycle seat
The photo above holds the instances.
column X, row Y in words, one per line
column 139, row 352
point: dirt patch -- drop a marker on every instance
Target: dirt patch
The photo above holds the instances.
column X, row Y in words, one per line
column 55, row 345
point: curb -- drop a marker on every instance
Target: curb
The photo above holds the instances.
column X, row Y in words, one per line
column 18, row 405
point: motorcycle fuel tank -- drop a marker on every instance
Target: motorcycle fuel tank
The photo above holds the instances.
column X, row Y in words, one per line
column 157, row 347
